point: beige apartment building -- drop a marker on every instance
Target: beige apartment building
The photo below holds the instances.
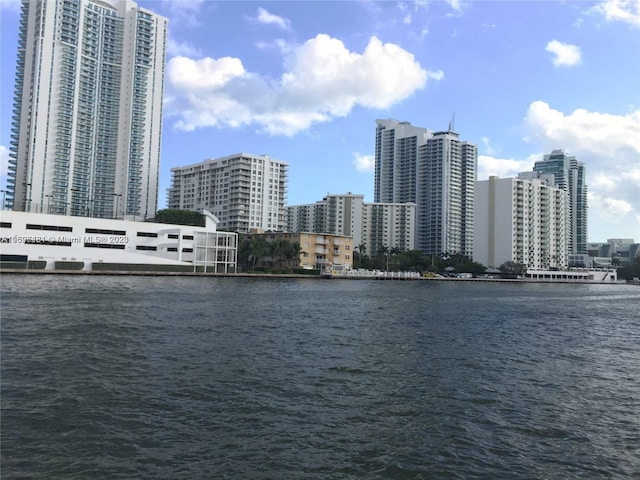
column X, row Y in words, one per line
column 373, row 225
column 318, row 251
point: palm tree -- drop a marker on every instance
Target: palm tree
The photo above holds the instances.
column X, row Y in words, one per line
column 275, row 251
column 383, row 251
column 244, row 252
column 393, row 253
column 359, row 255
column 290, row 251
column 259, row 248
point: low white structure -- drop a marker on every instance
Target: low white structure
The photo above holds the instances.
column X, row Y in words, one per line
column 595, row 275
column 36, row 240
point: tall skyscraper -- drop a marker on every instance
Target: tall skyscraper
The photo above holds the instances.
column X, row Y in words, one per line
column 570, row 176
column 244, row 191
column 88, row 109
column 435, row 170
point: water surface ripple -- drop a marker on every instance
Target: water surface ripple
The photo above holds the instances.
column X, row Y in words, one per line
column 234, row 378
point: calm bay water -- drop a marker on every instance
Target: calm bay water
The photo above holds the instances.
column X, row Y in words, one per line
column 179, row 377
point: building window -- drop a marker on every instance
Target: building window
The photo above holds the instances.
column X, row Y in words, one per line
column 51, row 228
column 146, row 247
column 104, row 245
column 48, row 242
column 147, row 234
column 105, row 231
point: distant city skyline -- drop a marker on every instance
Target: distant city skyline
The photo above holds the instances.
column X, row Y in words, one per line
column 304, row 82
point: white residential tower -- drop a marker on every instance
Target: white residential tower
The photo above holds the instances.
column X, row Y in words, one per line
column 522, row 221
column 246, row 192
column 437, row 172
column 88, row 109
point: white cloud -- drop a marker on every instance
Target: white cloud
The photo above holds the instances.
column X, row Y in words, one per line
column 279, row 44
column 185, row 49
column 267, row 18
column 566, row 55
column 620, row 10
column 504, row 167
column 322, row 79
column 600, row 134
column 607, row 144
column 602, row 183
column 609, row 210
column 488, row 148
column 204, row 74
column 455, row 4
column 184, row 12
column 364, row 163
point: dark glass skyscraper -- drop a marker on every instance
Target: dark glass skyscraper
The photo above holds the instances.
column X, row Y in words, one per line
column 570, row 176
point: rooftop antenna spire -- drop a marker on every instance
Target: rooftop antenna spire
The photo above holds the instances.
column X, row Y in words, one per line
column 452, row 123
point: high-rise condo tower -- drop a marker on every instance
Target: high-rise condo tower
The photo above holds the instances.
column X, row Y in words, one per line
column 88, row 109
column 569, row 175
column 435, row 170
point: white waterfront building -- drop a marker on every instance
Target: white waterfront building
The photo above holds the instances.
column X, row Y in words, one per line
column 437, row 172
column 388, row 225
column 244, row 191
column 522, row 221
column 565, row 172
column 87, row 109
column 372, row 225
column 62, row 242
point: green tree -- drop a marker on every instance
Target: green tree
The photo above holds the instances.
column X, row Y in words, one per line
column 244, row 252
column 259, row 249
column 360, row 258
column 512, row 269
column 180, row 217
column 291, row 255
column 381, row 260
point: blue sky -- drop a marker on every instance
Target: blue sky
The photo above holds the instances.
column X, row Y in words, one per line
column 304, row 83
